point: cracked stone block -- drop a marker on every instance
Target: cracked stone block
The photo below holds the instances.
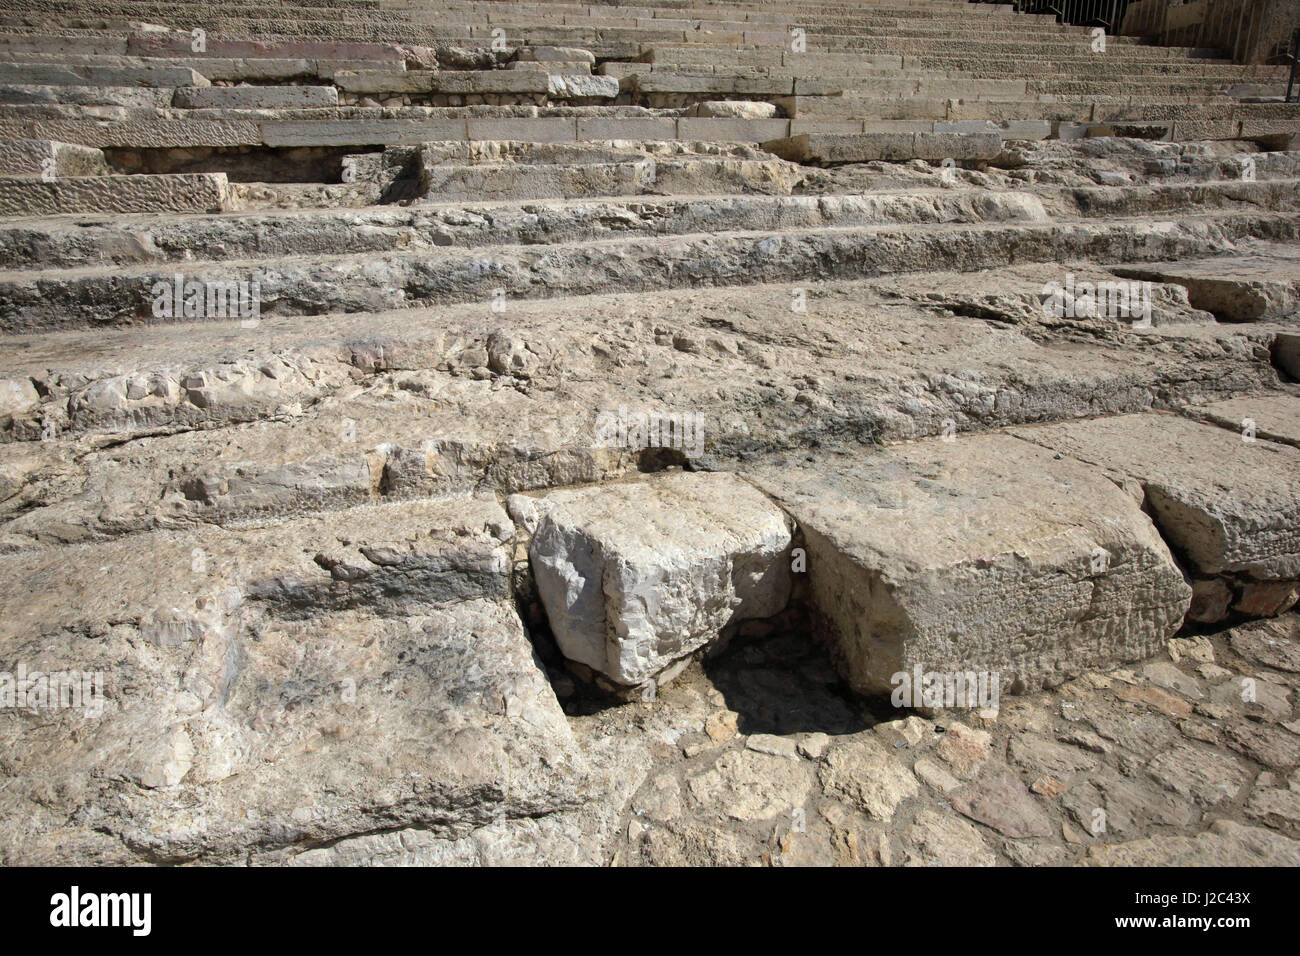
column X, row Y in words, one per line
column 278, row 686
column 1228, row 504
column 637, row 576
column 984, row 554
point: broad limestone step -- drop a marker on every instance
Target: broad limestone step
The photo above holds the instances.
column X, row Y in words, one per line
column 983, row 555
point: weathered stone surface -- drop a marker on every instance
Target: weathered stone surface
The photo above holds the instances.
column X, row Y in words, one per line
column 1225, row 844
column 255, row 97
column 735, row 109
column 579, row 86
column 1198, row 773
column 861, row 771
column 184, row 192
column 894, row 147
column 999, row 800
column 629, row 598
column 943, row 840
column 982, row 554
column 47, row 158
column 746, row 785
column 58, row 74
column 1229, row 505
column 1271, row 416
column 550, row 54
column 1258, row 286
column 274, row 530
column 300, row 682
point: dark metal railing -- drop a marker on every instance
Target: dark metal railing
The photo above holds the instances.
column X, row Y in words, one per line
column 1231, row 27
column 1295, row 57
column 1083, row 13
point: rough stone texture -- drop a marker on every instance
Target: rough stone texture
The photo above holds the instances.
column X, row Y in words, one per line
column 630, row 597
column 985, row 554
column 895, row 147
column 1229, row 505
column 185, row 192
column 1261, row 286
column 44, row 158
column 413, row 697
column 279, row 534
column 1273, row 416
column 735, row 109
column 255, row 97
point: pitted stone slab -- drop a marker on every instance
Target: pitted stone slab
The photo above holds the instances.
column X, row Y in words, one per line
column 43, row 157
column 1227, row 504
column 1259, row 285
column 179, row 192
column 299, row 682
column 636, row 576
column 983, row 554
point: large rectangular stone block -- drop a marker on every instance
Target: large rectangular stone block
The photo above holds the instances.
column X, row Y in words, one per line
column 1227, row 500
column 892, row 147
column 183, row 192
column 731, row 130
column 982, row 554
column 255, row 97
column 78, row 75
column 43, row 157
column 360, row 132
column 637, row 576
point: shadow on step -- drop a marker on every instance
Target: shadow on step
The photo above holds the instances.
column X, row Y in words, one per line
column 785, row 683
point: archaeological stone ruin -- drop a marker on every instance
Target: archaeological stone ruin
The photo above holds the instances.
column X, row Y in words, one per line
column 673, row 432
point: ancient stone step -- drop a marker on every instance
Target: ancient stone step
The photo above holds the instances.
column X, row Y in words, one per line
column 48, row 159
column 471, row 82
column 633, row 599
column 407, row 623
column 104, row 297
column 51, row 245
column 1227, row 501
column 76, row 75
column 125, row 96
column 243, row 70
column 1260, row 285
column 865, row 147
column 393, row 406
column 1273, row 416
column 984, row 555
column 181, row 192
column 255, row 97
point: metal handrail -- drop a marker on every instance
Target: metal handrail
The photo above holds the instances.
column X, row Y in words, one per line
column 1233, row 28
column 1295, row 56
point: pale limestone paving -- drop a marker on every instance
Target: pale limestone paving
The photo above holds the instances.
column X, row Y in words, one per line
column 368, row 582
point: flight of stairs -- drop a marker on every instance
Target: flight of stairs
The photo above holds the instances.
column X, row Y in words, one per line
column 393, row 387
